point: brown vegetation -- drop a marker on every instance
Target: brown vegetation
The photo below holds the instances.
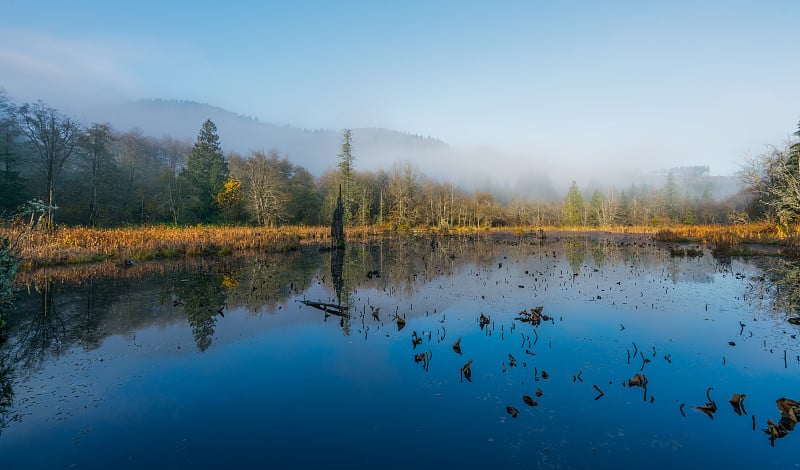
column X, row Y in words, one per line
column 86, row 245
column 734, row 239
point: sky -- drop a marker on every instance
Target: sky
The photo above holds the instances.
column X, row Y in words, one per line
column 583, row 83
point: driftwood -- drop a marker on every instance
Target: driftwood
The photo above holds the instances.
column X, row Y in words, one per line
column 333, row 309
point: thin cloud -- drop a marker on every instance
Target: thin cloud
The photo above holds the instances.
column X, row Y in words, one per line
column 34, row 65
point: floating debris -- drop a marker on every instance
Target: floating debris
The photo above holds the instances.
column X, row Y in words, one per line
column 737, row 402
column 466, row 371
column 638, row 380
column 644, row 361
column 415, row 340
column 775, row 431
column 512, row 411
column 788, row 408
column 709, row 408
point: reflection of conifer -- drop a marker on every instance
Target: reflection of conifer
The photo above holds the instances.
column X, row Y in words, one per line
column 203, row 295
column 575, row 251
column 598, row 253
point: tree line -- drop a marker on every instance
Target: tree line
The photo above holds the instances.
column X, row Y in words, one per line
column 95, row 175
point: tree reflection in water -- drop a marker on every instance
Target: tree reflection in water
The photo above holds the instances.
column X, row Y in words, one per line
column 780, row 284
column 342, row 295
column 6, row 392
column 263, row 283
column 202, row 295
column 42, row 333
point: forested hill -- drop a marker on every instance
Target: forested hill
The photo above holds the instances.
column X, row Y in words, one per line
column 375, row 149
column 313, row 149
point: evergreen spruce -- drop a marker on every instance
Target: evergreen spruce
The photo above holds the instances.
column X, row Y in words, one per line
column 347, row 192
column 204, row 176
column 573, row 206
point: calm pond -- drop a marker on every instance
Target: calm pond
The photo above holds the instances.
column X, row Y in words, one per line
column 218, row 362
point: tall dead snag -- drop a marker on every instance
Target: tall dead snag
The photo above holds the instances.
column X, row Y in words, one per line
column 337, row 226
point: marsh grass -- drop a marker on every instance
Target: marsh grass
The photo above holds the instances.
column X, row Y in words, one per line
column 85, row 245
column 81, row 245
column 735, row 240
column 758, row 232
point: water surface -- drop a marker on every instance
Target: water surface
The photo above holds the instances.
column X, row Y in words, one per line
column 205, row 363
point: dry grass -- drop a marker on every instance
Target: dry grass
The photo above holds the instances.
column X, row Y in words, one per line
column 756, row 232
column 85, row 245
column 81, row 245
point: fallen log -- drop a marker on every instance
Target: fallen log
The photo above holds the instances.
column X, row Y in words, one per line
column 333, row 309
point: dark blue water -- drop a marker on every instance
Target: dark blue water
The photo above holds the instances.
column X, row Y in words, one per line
column 144, row 371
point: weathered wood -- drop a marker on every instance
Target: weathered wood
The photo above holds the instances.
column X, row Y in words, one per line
column 337, row 225
column 333, row 309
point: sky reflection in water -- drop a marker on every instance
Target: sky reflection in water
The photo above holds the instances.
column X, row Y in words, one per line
column 146, row 371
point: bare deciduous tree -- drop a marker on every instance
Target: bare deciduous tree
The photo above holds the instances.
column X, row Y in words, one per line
column 54, row 138
column 95, row 143
column 773, row 178
column 264, row 179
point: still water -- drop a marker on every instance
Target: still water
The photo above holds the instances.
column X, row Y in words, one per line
column 218, row 362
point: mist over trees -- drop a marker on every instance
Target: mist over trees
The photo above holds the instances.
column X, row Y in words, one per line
column 95, row 175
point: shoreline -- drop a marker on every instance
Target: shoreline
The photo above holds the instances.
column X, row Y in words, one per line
column 67, row 246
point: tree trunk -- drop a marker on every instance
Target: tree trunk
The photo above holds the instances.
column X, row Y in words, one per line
column 337, row 226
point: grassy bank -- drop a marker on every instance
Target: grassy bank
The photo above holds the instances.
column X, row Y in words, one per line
column 84, row 245
column 736, row 240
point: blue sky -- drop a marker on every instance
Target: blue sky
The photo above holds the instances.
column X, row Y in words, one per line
column 603, row 84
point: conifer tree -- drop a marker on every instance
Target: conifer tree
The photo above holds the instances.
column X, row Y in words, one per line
column 204, row 176
column 573, row 206
column 346, row 174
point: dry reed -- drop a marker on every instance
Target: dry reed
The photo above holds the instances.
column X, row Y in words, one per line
column 77, row 245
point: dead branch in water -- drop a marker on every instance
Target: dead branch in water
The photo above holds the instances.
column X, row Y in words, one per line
column 333, row 309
